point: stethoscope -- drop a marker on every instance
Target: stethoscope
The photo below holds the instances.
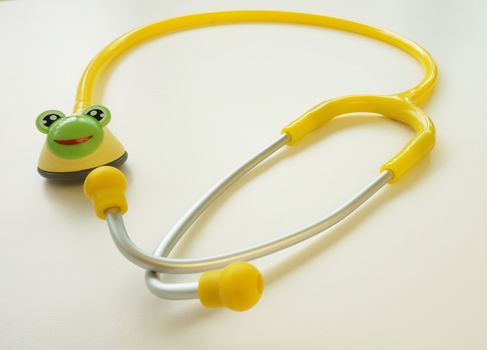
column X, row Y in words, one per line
column 227, row 279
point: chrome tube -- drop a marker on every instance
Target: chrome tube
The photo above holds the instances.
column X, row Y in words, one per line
column 160, row 262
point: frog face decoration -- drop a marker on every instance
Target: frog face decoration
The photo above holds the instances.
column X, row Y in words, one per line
column 74, row 136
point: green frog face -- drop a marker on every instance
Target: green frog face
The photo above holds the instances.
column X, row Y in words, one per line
column 75, row 136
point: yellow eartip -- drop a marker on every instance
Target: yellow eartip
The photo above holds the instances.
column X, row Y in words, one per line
column 105, row 187
column 238, row 286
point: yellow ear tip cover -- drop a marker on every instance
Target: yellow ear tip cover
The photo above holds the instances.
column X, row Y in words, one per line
column 238, row 286
column 105, row 187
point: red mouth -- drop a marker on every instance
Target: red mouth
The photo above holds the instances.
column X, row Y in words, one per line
column 74, row 141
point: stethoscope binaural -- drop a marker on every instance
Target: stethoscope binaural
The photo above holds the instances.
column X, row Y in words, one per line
column 80, row 145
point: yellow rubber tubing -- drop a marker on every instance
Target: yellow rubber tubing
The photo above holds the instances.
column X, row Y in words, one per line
column 394, row 106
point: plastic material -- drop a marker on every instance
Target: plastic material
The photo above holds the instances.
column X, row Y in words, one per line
column 77, row 143
column 393, row 107
column 418, row 94
column 238, row 286
column 105, row 187
column 400, row 106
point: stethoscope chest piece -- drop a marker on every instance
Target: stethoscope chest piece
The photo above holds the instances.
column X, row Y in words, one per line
column 78, row 143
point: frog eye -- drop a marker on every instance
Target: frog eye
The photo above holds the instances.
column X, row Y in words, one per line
column 99, row 112
column 47, row 118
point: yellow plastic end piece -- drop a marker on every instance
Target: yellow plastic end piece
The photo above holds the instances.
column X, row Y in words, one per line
column 105, row 187
column 238, row 286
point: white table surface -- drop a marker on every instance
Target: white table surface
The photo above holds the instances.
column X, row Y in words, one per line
column 407, row 271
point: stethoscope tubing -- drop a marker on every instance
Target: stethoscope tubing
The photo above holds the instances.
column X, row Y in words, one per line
column 402, row 107
column 417, row 95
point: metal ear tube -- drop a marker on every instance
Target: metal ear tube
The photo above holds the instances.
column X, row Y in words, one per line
column 238, row 286
column 79, row 144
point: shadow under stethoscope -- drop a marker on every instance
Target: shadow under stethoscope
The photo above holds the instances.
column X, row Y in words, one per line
column 321, row 242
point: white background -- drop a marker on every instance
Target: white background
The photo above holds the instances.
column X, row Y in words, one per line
column 407, row 271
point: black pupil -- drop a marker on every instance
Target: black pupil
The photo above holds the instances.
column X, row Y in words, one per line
column 97, row 114
column 49, row 119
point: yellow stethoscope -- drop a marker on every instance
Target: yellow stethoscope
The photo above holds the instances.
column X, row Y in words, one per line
column 238, row 285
